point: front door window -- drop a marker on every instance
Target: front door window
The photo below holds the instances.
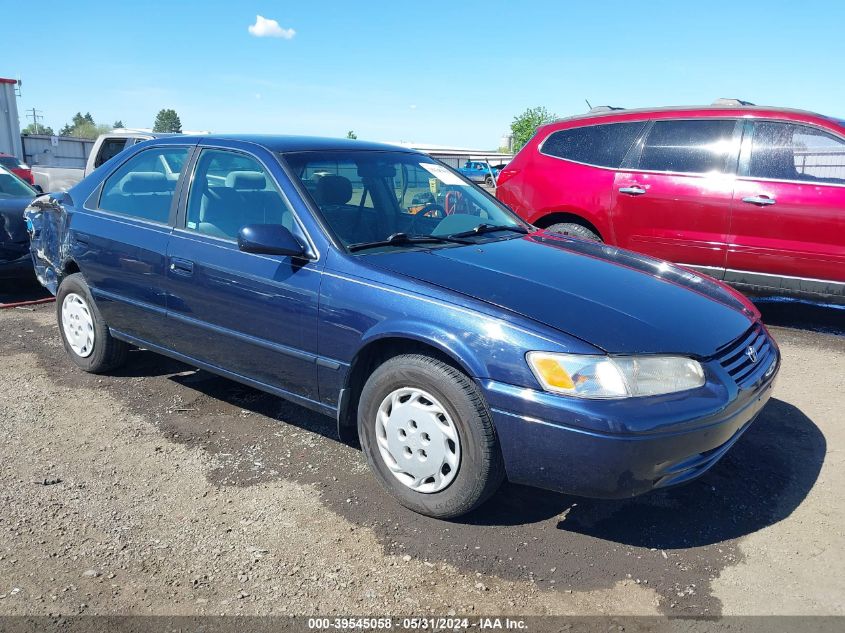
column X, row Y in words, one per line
column 231, row 190
column 785, row 151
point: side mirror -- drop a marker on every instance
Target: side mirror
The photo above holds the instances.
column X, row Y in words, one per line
column 269, row 239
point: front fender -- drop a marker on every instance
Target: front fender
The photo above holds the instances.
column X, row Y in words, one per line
column 454, row 344
column 47, row 224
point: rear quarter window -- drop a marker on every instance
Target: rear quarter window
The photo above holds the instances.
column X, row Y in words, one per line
column 603, row 145
column 143, row 187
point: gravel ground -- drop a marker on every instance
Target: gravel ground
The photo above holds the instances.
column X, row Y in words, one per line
column 166, row 490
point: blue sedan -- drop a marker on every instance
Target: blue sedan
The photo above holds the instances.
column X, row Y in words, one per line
column 459, row 345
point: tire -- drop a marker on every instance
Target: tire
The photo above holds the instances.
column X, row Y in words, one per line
column 575, row 230
column 103, row 352
column 488, row 180
column 479, row 470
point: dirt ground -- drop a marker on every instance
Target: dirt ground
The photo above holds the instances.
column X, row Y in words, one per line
column 165, row 490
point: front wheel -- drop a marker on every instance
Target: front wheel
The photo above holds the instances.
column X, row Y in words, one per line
column 428, row 436
column 85, row 335
column 575, row 230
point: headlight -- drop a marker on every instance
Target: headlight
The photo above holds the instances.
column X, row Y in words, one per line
column 586, row 376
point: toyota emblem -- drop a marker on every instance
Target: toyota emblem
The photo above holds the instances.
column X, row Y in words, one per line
column 751, row 353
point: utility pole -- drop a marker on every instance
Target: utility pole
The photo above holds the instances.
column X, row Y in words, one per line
column 35, row 115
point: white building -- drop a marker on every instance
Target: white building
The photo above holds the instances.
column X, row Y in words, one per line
column 457, row 156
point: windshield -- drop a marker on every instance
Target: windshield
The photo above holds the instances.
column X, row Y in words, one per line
column 369, row 197
column 13, row 187
column 10, row 162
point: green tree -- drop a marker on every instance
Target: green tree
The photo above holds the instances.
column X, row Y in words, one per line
column 167, row 121
column 83, row 126
column 79, row 123
column 89, row 130
column 524, row 125
column 118, row 124
column 351, row 134
column 42, row 129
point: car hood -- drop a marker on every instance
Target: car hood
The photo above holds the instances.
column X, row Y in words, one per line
column 617, row 300
column 12, row 223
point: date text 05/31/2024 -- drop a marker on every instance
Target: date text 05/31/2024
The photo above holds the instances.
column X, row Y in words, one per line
column 411, row 623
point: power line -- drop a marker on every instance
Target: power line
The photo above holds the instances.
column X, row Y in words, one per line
column 35, row 115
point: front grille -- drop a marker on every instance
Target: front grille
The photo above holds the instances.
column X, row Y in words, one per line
column 737, row 360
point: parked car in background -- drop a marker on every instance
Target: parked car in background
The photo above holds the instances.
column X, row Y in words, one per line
column 15, row 196
column 105, row 147
column 751, row 195
column 17, row 167
column 479, row 171
column 459, row 348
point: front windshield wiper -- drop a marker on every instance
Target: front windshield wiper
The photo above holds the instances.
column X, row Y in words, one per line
column 490, row 228
column 398, row 239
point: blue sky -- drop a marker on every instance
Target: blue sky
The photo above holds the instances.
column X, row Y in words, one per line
column 450, row 73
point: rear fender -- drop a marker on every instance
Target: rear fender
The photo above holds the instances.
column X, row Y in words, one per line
column 47, row 223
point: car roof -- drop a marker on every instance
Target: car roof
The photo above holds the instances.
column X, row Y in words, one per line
column 667, row 112
column 287, row 144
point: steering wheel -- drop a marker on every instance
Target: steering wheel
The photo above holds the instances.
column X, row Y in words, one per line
column 430, row 210
column 453, row 198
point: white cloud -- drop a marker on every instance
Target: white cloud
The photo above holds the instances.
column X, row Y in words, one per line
column 264, row 27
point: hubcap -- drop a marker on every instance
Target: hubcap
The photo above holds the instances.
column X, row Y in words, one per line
column 417, row 440
column 78, row 325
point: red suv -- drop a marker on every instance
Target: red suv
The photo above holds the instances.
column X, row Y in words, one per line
column 754, row 196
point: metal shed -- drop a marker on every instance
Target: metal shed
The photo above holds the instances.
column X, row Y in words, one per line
column 10, row 124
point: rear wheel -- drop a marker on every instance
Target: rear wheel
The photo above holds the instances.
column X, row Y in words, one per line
column 575, row 230
column 84, row 334
column 428, row 436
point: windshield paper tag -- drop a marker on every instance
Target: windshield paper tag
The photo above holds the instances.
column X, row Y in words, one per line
column 443, row 175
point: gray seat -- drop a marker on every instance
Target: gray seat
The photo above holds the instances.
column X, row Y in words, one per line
column 332, row 195
column 144, row 194
column 244, row 200
column 246, row 180
column 333, row 191
column 220, row 212
column 265, row 204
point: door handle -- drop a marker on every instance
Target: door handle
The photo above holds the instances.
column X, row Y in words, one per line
column 633, row 190
column 760, row 201
column 181, row 266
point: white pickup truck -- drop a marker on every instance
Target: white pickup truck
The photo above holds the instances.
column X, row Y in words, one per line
column 105, row 147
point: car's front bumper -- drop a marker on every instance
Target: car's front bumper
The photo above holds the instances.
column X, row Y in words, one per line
column 621, row 448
